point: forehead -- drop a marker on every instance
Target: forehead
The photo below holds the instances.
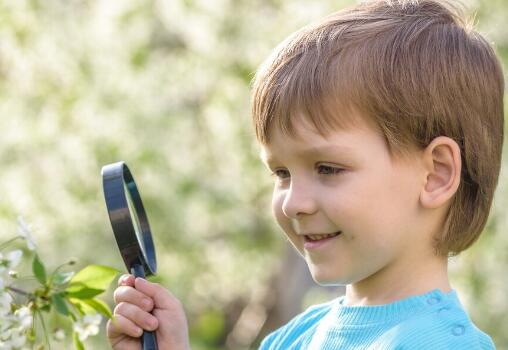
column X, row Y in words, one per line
column 268, row 155
column 306, row 141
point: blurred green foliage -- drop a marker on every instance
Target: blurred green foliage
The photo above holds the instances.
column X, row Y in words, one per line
column 164, row 85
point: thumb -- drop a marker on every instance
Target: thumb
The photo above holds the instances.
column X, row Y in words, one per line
column 162, row 298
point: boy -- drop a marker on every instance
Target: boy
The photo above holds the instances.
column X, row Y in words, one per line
column 383, row 125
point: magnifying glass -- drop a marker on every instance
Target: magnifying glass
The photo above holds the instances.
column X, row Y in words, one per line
column 130, row 226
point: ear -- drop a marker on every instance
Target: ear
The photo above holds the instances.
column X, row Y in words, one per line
column 442, row 163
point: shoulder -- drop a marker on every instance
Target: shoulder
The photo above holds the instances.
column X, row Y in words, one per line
column 297, row 330
column 444, row 326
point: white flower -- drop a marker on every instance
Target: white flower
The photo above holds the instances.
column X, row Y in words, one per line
column 11, row 260
column 59, row 334
column 25, row 231
column 5, row 304
column 6, row 322
column 88, row 326
column 13, row 338
column 24, row 317
column 13, row 326
column 1, row 284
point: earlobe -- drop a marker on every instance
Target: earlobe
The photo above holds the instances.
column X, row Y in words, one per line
column 442, row 163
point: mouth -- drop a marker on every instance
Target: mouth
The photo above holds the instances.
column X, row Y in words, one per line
column 319, row 237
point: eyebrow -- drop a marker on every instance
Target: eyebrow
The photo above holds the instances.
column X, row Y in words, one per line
column 312, row 151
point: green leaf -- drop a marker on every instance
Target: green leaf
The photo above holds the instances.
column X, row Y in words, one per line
column 93, row 277
column 99, row 306
column 91, row 306
column 77, row 343
column 82, row 308
column 84, row 292
column 60, row 304
column 61, row 278
column 39, row 270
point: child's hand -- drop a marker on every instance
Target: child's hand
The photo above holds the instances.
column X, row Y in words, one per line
column 135, row 299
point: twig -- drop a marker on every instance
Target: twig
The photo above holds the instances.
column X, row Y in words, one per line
column 6, row 243
column 17, row 290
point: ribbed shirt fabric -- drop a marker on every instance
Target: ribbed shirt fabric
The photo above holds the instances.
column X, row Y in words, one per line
column 430, row 321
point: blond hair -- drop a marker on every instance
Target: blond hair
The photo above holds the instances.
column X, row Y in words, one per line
column 417, row 70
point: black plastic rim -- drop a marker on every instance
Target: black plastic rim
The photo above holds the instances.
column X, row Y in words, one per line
column 116, row 178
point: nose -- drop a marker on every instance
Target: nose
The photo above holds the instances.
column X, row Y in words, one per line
column 298, row 200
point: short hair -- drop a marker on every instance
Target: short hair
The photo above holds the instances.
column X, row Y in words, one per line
column 418, row 70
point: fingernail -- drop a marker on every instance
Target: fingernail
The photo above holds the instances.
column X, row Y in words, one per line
column 147, row 303
column 141, row 280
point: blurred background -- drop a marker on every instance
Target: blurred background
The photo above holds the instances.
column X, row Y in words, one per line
column 165, row 86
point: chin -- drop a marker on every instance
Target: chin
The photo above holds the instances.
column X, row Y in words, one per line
column 326, row 279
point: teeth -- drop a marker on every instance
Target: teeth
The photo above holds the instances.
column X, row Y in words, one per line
column 315, row 237
column 319, row 237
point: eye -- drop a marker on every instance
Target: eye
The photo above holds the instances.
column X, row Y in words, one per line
column 281, row 173
column 322, row 169
column 329, row 170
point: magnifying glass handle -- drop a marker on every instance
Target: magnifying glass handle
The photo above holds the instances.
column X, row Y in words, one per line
column 148, row 340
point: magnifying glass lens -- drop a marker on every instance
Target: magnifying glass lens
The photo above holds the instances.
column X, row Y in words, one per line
column 135, row 219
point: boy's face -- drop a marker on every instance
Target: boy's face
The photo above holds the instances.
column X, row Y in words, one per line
column 353, row 186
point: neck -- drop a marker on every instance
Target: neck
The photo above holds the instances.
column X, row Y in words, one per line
column 398, row 281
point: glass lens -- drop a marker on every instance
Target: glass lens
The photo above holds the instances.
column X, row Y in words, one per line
column 134, row 218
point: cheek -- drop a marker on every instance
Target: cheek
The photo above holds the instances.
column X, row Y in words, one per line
column 361, row 205
column 277, row 201
column 376, row 209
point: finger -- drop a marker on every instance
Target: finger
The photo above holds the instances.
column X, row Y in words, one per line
column 138, row 316
column 161, row 297
column 132, row 296
column 119, row 325
column 126, row 280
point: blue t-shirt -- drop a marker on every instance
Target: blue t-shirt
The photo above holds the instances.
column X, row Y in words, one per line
column 434, row 320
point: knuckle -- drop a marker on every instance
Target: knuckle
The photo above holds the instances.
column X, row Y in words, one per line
column 146, row 304
column 113, row 327
column 125, row 280
column 118, row 294
column 120, row 308
column 122, row 325
column 130, row 312
column 109, row 326
column 123, row 294
column 120, row 280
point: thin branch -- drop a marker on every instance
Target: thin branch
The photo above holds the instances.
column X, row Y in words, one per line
column 6, row 243
column 19, row 291
column 44, row 329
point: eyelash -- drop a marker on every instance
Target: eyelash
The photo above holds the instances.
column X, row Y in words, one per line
column 333, row 171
